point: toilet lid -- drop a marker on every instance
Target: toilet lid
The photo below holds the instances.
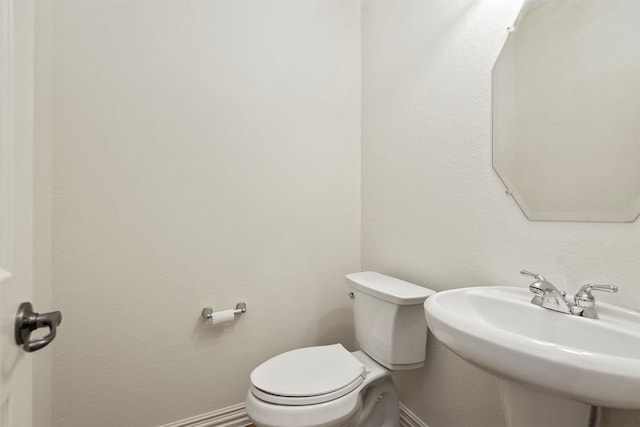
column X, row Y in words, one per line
column 308, row 375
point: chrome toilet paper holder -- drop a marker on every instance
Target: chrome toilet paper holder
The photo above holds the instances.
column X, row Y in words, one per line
column 207, row 312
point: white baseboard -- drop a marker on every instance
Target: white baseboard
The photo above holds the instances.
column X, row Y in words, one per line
column 236, row 416
column 231, row 416
column 409, row 419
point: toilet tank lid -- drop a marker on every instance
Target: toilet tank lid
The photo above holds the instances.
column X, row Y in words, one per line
column 388, row 288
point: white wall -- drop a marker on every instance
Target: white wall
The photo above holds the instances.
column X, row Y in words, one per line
column 204, row 153
column 434, row 211
column 208, row 152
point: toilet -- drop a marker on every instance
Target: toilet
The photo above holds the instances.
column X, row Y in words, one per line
column 327, row 386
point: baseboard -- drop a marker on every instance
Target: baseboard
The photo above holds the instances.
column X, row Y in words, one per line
column 236, row 416
column 231, row 416
column 409, row 419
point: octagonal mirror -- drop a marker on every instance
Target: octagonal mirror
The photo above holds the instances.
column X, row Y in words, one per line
column 566, row 110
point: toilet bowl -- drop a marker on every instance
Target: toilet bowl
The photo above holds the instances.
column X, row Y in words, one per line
column 341, row 404
column 327, row 386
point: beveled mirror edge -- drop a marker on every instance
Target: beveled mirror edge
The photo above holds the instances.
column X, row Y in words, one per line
column 632, row 214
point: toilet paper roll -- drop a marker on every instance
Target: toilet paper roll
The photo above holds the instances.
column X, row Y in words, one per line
column 222, row 317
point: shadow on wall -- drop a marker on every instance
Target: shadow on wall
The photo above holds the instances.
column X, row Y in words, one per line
column 463, row 391
column 620, row 418
column 336, row 326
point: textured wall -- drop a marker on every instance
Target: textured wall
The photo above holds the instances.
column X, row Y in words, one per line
column 204, row 153
column 209, row 152
column 434, row 211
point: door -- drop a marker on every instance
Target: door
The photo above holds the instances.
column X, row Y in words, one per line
column 16, row 194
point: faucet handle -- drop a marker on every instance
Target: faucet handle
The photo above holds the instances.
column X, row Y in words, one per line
column 534, row 275
column 584, row 298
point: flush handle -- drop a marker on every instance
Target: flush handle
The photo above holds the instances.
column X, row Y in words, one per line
column 28, row 321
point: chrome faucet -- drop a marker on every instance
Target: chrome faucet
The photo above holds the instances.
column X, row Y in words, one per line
column 587, row 302
column 546, row 295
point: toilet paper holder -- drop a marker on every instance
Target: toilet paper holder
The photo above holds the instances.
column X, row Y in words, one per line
column 207, row 312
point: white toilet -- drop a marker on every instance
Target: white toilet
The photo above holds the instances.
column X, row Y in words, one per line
column 327, row 386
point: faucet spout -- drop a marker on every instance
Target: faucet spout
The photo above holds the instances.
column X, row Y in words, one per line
column 546, row 294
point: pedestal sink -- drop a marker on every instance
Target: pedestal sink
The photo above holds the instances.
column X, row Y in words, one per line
column 551, row 367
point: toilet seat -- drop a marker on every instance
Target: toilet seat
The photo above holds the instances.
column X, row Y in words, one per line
column 308, row 376
column 335, row 413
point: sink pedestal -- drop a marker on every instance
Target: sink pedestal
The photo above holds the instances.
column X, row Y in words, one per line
column 529, row 407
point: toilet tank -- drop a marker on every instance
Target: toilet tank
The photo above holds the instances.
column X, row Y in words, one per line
column 390, row 323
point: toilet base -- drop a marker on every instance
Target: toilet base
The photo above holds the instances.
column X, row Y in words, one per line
column 380, row 407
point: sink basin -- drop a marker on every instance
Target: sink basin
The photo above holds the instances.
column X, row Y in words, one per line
column 594, row 361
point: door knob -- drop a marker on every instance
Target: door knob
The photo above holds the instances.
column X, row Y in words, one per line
column 28, row 321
